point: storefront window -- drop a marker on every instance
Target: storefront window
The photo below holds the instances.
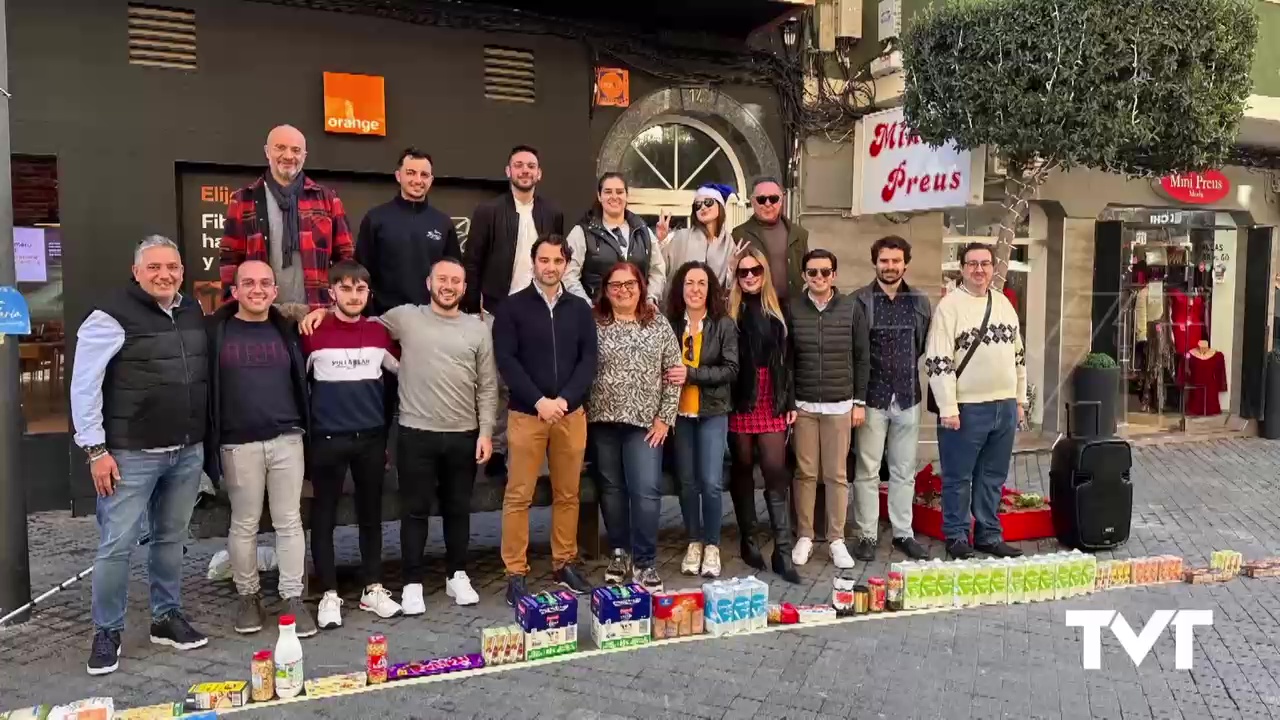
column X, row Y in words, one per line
column 38, row 262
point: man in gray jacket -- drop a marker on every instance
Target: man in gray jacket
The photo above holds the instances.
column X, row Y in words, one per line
column 897, row 324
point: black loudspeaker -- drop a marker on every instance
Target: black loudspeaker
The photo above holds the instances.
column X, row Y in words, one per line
column 1090, row 492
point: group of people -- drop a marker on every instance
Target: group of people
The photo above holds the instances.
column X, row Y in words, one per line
column 530, row 348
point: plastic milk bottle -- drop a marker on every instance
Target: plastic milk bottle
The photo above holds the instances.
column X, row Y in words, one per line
column 288, row 659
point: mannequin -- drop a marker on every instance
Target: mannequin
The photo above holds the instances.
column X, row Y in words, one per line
column 1205, row 377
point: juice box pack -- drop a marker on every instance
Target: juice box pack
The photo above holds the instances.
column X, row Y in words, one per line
column 620, row 616
column 502, row 645
column 1226, row 561
column 550, row 623
column 217, row 695
column 736, row 605
column 677, row 613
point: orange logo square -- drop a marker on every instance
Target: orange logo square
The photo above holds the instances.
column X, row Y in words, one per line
column 613, row 87
column 354, row 104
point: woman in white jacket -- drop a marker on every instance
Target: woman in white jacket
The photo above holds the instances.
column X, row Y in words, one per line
column 707, row 239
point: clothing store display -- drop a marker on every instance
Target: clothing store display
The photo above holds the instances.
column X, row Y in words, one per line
column 1205, row 377
column 1186, row 315
column 1141, row 315
column 1160, row 365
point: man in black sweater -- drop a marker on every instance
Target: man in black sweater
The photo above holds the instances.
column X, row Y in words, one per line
column 401, row 240
column 545, row 344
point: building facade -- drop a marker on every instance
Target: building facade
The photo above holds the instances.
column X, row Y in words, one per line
column 130, row 119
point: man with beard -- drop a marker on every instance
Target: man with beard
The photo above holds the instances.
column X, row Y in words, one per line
column 898, row 321
column 346, row 354
column 401, row 240
column 285, row 219
column 499, row 256
column 782, row 241
column 448, row 394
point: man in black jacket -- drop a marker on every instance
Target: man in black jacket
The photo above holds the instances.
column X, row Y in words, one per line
column 499, row 258
column 259, row 418
column 897, row 325
column 545, row 343
column 831, row 366
column 401, row 240
column 138, row 395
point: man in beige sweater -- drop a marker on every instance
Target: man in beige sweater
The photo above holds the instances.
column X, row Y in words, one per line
column 977, row 372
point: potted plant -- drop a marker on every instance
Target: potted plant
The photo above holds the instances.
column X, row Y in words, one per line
column 1097, row 379
column 1271, row 398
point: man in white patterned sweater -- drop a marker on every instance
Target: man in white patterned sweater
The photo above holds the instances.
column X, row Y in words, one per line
column 978, row 376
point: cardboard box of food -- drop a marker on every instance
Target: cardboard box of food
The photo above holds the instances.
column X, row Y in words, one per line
column 151, row 712
column 503, row 645
column 620, row 616
column 540, row 644
column 678, row 613
column 334, row 684
column 217, row 695
column 547, row 610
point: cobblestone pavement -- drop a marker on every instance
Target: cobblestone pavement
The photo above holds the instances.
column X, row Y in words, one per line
column 1016, row 662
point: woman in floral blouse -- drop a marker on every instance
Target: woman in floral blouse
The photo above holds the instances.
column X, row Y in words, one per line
column 632, row 407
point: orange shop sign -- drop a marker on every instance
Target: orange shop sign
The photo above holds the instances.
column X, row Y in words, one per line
column 355, row 104
column 613, row 87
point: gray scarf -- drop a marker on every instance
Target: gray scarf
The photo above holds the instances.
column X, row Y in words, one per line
column 287, row 199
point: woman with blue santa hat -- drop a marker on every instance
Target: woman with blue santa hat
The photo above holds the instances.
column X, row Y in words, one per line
column 707, row 239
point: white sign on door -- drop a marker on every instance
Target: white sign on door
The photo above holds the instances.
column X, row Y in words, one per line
column 29, row 261
column 899, row 172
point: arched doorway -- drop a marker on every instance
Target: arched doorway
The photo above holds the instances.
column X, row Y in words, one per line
column 669, row 159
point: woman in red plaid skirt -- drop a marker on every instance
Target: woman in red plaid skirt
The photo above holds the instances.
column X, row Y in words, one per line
column 764, row 410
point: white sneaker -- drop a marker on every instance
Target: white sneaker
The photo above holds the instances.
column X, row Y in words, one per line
column 840, row 556
column 803, row 549
column 378, row 601
column 692, row 559
column 459, row 588
column 330, row 615
column 411, row 600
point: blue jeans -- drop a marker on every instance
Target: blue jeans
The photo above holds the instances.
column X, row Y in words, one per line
column 163, row 487
column 700, row 446
column 629, row 471
column 975, row 464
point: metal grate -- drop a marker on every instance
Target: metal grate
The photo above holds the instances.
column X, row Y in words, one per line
column 509, row 75
column 162, row 37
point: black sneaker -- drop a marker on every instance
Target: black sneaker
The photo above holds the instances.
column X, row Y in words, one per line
column 304, row 625
column 619, row 568
column 570, row 578
column 496, row 467
column 865, row 550
column 174, row 630
column 959, row 549
column 910, row 547
column 999, row 549
column 516, row 589
column 250, row 615
column 104, row 658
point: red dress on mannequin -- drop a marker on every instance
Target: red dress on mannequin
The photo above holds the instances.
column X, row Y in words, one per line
column 1186, row 315
column 1205, row 378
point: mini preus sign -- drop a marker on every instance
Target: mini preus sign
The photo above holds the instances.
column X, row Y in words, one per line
column 1194, row 188
column 896, row 171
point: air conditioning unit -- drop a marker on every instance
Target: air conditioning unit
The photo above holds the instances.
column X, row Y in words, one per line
column 886, row 64
column 890, row 14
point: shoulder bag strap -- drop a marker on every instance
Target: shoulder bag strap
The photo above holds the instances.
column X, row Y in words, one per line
column 982, row 332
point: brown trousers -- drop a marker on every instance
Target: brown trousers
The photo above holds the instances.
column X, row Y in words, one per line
column 529, row 440
column 821, row 446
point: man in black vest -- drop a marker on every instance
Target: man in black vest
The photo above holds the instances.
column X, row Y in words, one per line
column 138, row 402
column 499, row 259
column 830, row 352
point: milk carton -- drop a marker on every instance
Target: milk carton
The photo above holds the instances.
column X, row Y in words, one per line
column 550, row 623
column 759, row 603
column 620, row 616
column 982, row 582
column 719, row 608
column 947, row 585
column 911, row 585
column 742, row 589
column 1018, row 580
column 965, row 595
column 1046, row 574
column 929, row 590
column 1000, row 581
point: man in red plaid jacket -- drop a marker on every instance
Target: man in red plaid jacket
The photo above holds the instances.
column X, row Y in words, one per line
column 289, row 222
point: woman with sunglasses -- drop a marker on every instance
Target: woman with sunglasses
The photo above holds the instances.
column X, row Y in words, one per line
column 631, row 409
column 706, row 240
column 784, row 243
column 763, row 410
column 709, row 349
column 610, row 234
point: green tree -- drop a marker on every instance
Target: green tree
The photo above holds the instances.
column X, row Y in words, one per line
column 1139, row 87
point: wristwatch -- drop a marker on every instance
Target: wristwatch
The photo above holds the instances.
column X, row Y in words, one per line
column 95, row 451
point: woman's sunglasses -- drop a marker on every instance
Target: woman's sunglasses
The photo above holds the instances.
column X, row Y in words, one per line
column 754, row 271
column 768, row 199
column 688, row 348
column 703, row 203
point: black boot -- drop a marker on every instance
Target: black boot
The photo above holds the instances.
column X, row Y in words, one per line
column 744, row 506
column 781, row 522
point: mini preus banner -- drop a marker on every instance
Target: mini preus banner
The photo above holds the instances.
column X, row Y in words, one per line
column 15, row 318
column 896, row 171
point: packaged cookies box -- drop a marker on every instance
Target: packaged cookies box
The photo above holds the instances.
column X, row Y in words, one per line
column 677, row 613
column 620, row 616
column 1262, row 568
column 540, row 644
column 547, row 611
column 151, row 712
column 503, row 645
column 217, row 695
column 815, row 613
column 334, row 684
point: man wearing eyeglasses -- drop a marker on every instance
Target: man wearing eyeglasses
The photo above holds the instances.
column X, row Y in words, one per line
column 976, row 366
column 783, row 242
column 259, row 415
column 285, row 219
column 829, row 348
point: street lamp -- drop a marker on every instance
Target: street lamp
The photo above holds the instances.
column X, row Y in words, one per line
column 790, row 30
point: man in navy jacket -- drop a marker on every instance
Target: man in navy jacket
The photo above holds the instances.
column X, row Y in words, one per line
column 545, row 344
